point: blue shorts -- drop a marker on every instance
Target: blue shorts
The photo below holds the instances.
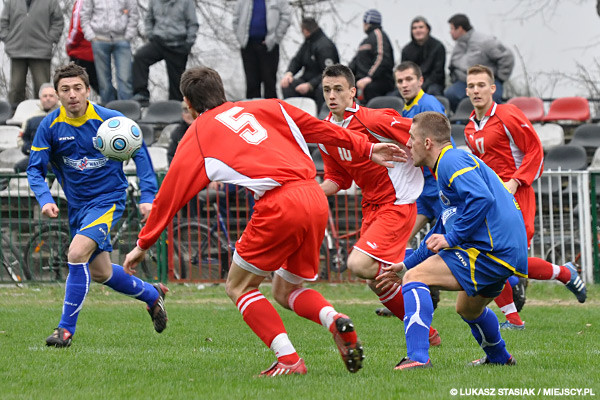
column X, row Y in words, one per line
column 478, row 273
column 429, row 206
column 96, row 220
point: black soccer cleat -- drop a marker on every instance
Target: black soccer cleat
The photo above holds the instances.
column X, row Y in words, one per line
column 158, row 312
column 519, row 293
column 59, row 338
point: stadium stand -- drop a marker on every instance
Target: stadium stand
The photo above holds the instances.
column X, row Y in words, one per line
column 463, row 112
column 24, row 110
column 568, row 109
column 129, row 108
column 304, row 103
column 532, row 107
column 393, row 102
column 550, row 135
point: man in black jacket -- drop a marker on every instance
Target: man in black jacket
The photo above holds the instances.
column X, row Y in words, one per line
column 373, row 63
column 316, row 53
column 429, row 54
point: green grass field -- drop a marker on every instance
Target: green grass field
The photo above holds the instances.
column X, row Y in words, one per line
column 207, row 352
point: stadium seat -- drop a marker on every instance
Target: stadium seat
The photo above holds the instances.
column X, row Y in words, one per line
column 304, row 103
column 324, row 111
column 9, row 157
column 446, row 103
column 148, row 133
column 158, row 155
column 550, row 135
column 566, row 157
column 8, row 136
column 24, row 110
column 393, row 102
column 463, row 112
column 129, row 108
column 568, row 109
column 5, row 111
column 162, row 113
column 595, row 164
column 532, row 107
column 164, row 139
column 458, row 134
column 588, row 136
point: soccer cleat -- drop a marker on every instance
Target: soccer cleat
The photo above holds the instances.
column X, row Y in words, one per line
column 383, row 312
column 407, row 363
column 158, row 312
column 519, row 295
column 486, row 361
column 513, row 327
column 347, row 342
column 435, row 339
column 435, row 297
column 576, row 284
column 59, row 338
column 278, row 368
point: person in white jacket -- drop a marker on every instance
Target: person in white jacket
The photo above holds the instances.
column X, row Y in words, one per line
column 259, row 26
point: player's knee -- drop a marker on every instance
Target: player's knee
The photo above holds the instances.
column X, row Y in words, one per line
column 360, row 268
column 412, row 275
column 77, row 255
column 232, row 290
column 467, row 311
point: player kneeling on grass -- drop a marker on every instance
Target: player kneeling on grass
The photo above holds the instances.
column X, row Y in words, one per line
column 261, row 145
column 479, row 240
column 95, row 188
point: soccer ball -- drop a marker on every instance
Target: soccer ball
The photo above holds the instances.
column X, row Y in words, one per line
column 118, row 138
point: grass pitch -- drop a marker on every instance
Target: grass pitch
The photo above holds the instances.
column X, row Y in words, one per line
column 207, row 352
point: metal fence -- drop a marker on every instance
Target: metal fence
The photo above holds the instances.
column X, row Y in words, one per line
column 199, row 243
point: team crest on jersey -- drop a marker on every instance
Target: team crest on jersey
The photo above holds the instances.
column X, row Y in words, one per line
column 85, row 163
column 444, row 199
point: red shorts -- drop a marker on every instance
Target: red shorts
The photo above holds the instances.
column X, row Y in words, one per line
column 385, row 231
column 286, row 230
column 525, row 196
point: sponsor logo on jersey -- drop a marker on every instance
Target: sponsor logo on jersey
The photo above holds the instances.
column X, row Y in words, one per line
column 460, row 257
column 60, row 139
column 85, row 163
column 448, row 216
column 394, row 122
column 372, row 245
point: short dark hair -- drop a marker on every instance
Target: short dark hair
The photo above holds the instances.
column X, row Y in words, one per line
column 337, row 70
column 310, row 24
column 404, row 65
column 433, row 125
column 203, row 87
column 481, row 69
column 460, row 20
column 71, row 70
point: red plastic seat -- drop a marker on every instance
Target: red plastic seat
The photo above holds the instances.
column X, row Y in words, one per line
column 569, row 108
column 532, row 107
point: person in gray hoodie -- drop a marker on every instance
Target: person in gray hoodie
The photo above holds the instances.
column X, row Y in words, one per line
column 110, row 25
column 171, row 28
column 30, row 30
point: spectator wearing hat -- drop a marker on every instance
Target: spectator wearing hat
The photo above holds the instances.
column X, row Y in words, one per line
column 259, row 27
column 373, row 63
column 473, row 47
column 316, row 53
column 429, row 54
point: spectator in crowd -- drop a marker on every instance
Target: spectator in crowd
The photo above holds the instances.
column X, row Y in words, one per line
column 473, row 47
column 179, row 131
column 79, row 49
column 259, row 26
column 29, row 29
column 373, row 63
column 171, row 28
column 316, row 53
column 429, row 54
column 48, row 102
column 110, row 26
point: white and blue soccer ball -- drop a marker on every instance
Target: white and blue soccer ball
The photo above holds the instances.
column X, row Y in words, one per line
column 119, row 138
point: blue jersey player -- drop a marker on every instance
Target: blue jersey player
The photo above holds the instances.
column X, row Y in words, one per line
column 95, row 188
column 478, row 241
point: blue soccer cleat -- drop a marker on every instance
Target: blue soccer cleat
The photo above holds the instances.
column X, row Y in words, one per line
column 576, row 284
column 513, row 327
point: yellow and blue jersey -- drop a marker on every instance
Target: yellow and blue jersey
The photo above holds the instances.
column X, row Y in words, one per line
column 84, row 173
column 479, row 214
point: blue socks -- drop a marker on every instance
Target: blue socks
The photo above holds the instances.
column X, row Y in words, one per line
column 77, row 286
column 418, row 309
column 131, row 285
column 486, row 331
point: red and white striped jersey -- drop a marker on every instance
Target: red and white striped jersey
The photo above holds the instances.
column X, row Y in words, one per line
column 505, row 140
column 399, row 185
column 258, row 144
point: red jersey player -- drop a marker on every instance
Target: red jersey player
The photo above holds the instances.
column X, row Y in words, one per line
column 504, row 139
column 389, row 195
column 261, row 145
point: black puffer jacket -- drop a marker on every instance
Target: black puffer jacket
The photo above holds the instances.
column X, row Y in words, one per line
column 316, row 53
column 375, row 57
column 430, row 57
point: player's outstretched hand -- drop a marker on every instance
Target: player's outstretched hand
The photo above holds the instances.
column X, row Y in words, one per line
column 385, row 153
column 133, row 258
column 391, row 276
